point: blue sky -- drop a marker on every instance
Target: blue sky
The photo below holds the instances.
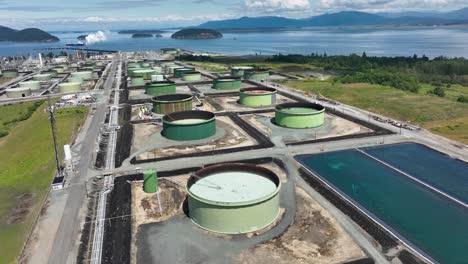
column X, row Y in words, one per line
column 120, row 14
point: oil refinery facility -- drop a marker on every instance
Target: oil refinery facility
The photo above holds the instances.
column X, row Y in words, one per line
column 194, row 166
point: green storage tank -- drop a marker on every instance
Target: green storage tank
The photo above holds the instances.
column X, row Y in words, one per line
column 191, row 76
column 42, row 77
column 145, row 65
column 172, row 68
column 59, row 69
column 189, row 125
column 258, row 96
column 18, row 92
column 85, row 75
column 238, row 71
column 10, row 73
column 75, row 79
column 150, row 181
column 169, row 51
column 69, row 87
column 179, row 72
column 157, row 78
column 134, row 65
column 137, row 81
column 130, row 71
column 158, row 69
column 146, row 74
column 233, row 198
column 227, row 83
column 33, row 85
column 256, row 74
column 160, row 88
column 170, row 103
column 300, row 115
column 52, row 73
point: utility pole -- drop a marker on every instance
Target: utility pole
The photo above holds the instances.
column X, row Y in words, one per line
column 50, row 109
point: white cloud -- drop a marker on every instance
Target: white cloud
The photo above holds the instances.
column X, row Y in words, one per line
column 271, row 6
column 167, row 18
column 388, row 5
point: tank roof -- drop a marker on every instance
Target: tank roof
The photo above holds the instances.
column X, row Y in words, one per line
column 233, row 187
column 300, row 108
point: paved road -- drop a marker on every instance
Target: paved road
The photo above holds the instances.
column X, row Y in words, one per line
column 68, row 235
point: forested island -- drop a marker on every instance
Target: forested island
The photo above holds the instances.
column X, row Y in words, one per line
column 197, row 33
column 82, row 37
column 26, row 35
column 142, row 31
column 142, row 35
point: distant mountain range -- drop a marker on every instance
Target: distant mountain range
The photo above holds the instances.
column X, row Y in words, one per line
column 345, row 18
column 26, row 35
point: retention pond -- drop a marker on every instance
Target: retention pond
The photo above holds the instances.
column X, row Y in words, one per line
column 417, row 193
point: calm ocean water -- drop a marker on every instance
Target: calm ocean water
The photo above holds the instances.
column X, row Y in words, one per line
column 434, row 223
column 431, row 42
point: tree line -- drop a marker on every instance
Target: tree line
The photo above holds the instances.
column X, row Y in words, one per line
column 400, row 72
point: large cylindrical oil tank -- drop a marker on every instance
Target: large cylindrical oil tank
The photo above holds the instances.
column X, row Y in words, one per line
column 134, row 65
column 42, row 77
column 227, row 83
column 169, row 51
column 85, row 75
column 179, row 72
column 10, row 73
column 157, row 78
column 233, row 198
column 150, row 181
column 159, row 88
column 300, row 115
column 137, row 81
column 238, row 71
column 257, row 96
column 131, row 71
column 33, row 85
column 53, row 73
column 170, row 103
column 59, row 69
column 69, row 87
column 18, row 92
column 145, row 65
column 158, row 69
column 75, row 79
column 146, row 74
column 189, row 125
column 256, row 74
column 191, row 76
column 171, row 69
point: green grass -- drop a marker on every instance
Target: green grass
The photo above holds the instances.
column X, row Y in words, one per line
column 452, row 93
column 282, row 67
column 443, row 116
column 10, row 115
column 27, row 162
